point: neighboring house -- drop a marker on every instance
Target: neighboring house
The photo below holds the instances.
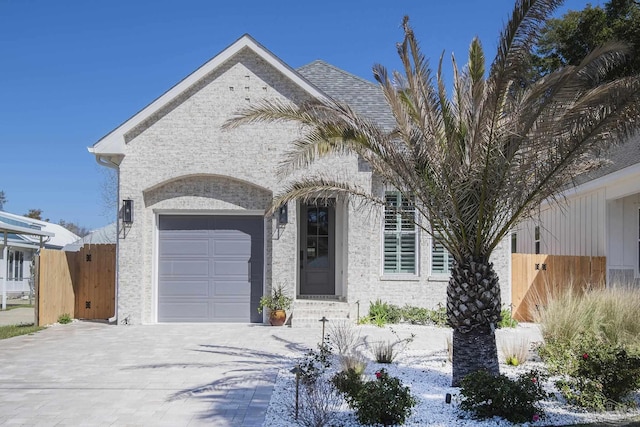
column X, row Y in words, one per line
column 102, row 236
column 601, row 217
column 22, row 246
column 194, row 243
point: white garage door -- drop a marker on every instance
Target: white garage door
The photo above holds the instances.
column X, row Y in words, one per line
column 210, row 268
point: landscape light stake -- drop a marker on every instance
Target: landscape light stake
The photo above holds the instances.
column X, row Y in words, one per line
column 324, row 320
column 297, row 371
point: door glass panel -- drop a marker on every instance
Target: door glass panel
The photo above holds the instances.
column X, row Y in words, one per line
column 312, row 221
column 323, row 221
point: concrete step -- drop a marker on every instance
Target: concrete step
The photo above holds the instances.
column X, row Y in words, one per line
column 307, row 313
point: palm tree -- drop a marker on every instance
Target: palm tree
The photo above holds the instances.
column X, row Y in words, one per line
column 475, row 162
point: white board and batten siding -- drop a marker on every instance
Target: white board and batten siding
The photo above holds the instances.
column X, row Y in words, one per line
column 575, row 227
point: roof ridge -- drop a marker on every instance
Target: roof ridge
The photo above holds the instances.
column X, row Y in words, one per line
column 323, row 62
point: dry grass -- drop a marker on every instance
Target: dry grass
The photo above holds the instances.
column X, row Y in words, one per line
column 515, row 351
column 344, row 337
column 354, row 361
column 609, row 315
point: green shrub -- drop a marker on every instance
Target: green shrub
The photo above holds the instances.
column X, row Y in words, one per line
column 315, row 363
column 416, row 315
column 603, row 377
column 603, row 325
column 439, row 316
column 506, row 320
column 486, row 396
column 381, row 401
column 65, row 318
column 382, row 313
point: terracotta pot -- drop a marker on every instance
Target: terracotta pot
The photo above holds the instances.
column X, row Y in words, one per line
column 277, row 317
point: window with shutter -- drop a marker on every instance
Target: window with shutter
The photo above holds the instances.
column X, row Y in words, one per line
column 441, row 259
column 400, row 255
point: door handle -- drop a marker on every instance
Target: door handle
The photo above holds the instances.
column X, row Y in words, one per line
column 301, row 259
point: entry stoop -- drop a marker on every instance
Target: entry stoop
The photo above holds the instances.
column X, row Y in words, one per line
column 308, row 312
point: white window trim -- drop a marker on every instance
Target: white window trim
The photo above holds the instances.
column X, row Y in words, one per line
column 399, row 276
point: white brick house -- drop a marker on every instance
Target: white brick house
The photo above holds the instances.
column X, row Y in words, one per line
column 199, row 247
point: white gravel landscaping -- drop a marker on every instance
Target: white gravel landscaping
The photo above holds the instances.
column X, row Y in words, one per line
column 425, row 368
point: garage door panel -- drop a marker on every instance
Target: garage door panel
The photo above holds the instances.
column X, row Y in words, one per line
column 230, row 310
column 184, row 288
column 193, row 311
column 226, row 267
column 231, row 247
column 204, row 262
column 185, row 268
column 184, row 247
column 232, row 289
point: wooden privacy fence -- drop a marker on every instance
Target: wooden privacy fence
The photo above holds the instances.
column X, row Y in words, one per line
column 534, row 277
column 81, row 283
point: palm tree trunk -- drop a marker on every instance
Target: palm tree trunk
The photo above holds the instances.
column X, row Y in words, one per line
column 473, row 311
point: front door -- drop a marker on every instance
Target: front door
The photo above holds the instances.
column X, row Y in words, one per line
column 317, row 249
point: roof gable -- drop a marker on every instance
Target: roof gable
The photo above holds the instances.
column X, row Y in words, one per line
column 113, row 143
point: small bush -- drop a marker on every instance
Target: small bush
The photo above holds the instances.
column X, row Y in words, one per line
column 65, row 318
column 506, row 321
column 354, row 361
column 382, row 313
column 383, row 351
column 486, row 396
column 381, row 401
column 416, row 315
column 315, row 363
column 319, row 404
column 439, row 316
column 603, row 377
column 387, row 351
column 515, row 352
column 344, row 337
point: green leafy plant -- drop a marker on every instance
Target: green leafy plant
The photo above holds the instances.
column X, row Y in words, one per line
column 383, row 400
column 486, row 396
column 316, row 362
column 603, row 377
column 65, row 318
column 382, row 313
column 416, row 315
column 278, row 300
column 506, row 320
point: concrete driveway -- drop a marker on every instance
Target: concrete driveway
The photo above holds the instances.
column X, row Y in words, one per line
column 94, row 374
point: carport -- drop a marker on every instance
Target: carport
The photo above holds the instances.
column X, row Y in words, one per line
column 7, row 229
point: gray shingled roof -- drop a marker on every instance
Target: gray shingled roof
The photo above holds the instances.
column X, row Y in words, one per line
column 622, row 156
column 364, row 96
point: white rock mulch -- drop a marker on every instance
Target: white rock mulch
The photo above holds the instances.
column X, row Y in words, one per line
column 428, row 374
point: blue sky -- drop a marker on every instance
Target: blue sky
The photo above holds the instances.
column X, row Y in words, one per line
column 73, row 70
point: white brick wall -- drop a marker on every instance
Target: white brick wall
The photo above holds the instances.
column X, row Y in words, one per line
column 181, row 161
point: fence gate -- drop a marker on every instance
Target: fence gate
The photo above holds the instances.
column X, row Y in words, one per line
column 535, row 277
column 81, row 283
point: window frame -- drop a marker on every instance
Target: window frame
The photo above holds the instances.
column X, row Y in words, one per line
column 15, row 265
column 399, row 232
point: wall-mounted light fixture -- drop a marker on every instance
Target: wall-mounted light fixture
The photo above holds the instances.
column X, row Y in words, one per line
column 283, row 214
column 127, row 211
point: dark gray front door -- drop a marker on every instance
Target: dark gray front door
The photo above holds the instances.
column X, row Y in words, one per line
column 317, row 256
column 210, row 268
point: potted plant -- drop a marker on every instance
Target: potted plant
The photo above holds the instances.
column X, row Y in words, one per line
column 277, row 303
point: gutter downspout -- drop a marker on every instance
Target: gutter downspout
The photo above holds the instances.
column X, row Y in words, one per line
column 107, row 162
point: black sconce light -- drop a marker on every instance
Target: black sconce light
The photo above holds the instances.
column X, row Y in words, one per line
column 127, row 211
column 283, row 214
